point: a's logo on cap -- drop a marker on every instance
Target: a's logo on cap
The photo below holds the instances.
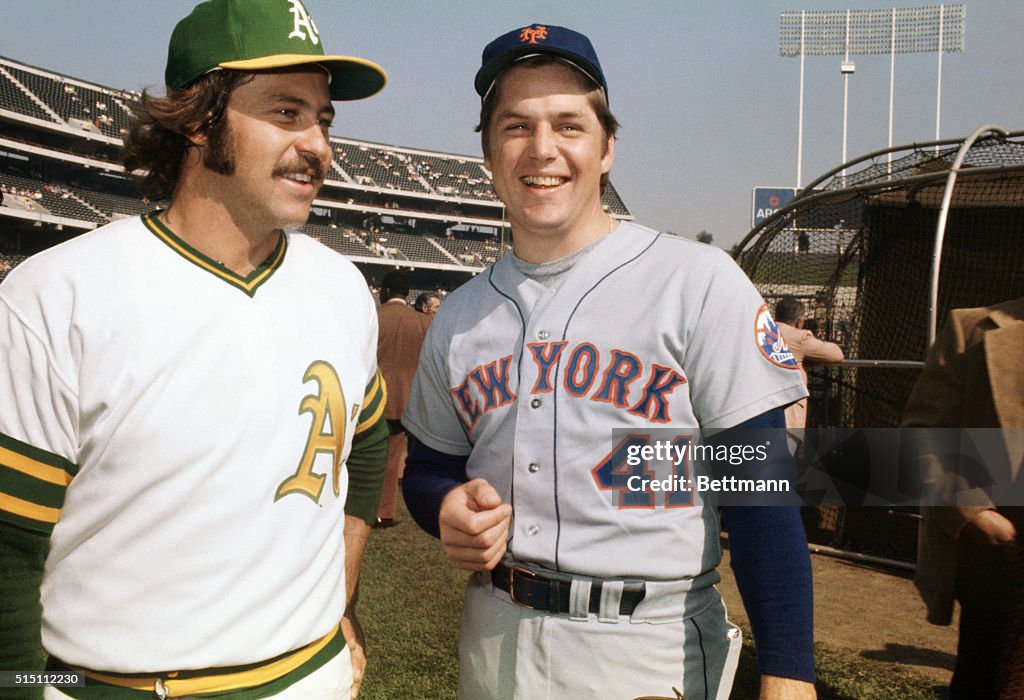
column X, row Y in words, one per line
column 531, row 35
column 303, row 22
column 769, row 340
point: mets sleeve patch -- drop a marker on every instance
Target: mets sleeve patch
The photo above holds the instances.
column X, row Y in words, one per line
column 769, row 340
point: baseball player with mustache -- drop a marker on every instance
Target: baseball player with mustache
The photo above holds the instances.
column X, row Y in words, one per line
column 192, row 437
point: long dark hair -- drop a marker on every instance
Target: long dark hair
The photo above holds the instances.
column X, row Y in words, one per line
column 158, row 142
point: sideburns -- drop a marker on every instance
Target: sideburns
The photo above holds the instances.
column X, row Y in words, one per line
column 219, row 155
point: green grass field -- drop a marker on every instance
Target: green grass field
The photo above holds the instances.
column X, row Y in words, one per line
column 411, row 597
column 807, row 269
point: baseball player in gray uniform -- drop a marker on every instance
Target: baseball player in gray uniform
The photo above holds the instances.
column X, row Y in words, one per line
column 192, row 438
column 541, row 386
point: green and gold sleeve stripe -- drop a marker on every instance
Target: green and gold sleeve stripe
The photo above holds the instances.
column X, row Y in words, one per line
column 369, row 456
column 374, row 401
column 248, row 284
column 32, row 485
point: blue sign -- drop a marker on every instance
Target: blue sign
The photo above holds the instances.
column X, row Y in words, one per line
column 768, row 200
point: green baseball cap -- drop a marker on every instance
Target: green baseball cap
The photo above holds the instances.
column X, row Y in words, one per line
column 254, row 35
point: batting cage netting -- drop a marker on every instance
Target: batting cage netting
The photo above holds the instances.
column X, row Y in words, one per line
column 858, row 245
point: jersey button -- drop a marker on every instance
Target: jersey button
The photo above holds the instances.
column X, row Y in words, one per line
column 534, row 467
column 543, row 335
column 535, row 403
column 533, row 530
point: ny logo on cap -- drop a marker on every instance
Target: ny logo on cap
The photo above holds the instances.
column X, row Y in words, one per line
column 532, row 34
column 303, row 20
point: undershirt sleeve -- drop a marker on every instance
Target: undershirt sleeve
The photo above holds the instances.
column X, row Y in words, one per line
column 429, row 476
column 768, row 552
column 22, row 553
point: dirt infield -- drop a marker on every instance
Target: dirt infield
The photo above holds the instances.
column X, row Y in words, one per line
column 875, row 613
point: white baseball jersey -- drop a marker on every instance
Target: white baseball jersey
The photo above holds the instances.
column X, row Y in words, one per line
column 645, row 331
column 200, row 422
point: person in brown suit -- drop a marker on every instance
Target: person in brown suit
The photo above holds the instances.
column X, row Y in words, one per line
column 968, row 546
column 398, row 351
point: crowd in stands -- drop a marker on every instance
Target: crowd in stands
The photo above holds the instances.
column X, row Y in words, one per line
column 116, row 205
column 390, row 242
column 17, row 100
column 455, row 177
column 35, row 195
column 377, row 167
column 89, row 107
column 21, row 197
column 472, row 247
column 8, row 261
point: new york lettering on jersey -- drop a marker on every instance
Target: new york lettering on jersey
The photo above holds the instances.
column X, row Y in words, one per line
column 614, row 376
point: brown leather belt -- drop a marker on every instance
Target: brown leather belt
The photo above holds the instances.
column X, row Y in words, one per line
column 548, row 594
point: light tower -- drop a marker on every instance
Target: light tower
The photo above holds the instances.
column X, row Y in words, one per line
column 846, row 68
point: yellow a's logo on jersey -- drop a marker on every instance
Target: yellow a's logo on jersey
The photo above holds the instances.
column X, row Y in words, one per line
column 326, row 433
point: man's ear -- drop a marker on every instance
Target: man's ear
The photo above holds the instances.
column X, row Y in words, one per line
column 609, row 156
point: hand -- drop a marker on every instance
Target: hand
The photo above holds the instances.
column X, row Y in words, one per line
column 991, row 527
column 356, row 643
column 474, row 525
column 779, row 688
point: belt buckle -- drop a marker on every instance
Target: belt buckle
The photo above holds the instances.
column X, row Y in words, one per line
column 512, row 571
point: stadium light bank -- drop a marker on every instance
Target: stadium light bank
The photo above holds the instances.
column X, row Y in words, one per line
column 869, row 32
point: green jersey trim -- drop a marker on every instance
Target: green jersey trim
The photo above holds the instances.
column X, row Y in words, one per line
column 248, row 284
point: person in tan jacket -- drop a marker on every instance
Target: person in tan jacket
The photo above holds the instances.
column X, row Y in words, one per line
column 789, row 315
column 968, row 547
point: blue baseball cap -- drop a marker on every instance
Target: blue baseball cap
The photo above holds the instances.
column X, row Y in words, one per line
column 572, row 47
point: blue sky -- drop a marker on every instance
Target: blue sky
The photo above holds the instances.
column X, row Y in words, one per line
column 708, row 107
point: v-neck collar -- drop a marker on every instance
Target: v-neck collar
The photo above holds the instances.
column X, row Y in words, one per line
column 248, row 284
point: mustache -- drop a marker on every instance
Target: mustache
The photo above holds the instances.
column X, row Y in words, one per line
column 304, row 164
